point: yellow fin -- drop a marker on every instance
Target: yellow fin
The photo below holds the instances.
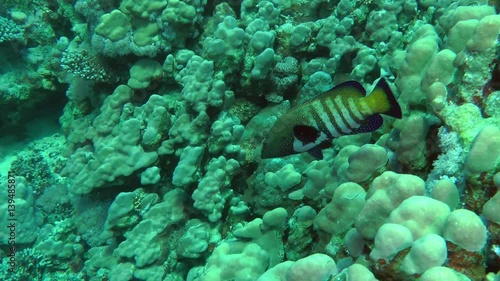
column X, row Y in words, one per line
column 382, row 100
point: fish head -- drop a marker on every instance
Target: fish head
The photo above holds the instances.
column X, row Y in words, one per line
column 278, row 142
column 290, row 136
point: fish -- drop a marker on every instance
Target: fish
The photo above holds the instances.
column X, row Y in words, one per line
column 343, row 110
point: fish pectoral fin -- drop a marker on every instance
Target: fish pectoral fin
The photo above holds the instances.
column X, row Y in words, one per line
column 305, row 134
column 326, row 144
column 316, row 152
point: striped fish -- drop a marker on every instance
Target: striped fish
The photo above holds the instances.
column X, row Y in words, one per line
column 344, row 110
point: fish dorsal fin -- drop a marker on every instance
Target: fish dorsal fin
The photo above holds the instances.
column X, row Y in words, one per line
column 347, row 89
column 305, row 134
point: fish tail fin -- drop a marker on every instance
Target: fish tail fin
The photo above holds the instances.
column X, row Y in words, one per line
column 382, row 100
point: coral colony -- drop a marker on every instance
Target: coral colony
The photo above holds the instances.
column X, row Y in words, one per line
column 247, row 140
